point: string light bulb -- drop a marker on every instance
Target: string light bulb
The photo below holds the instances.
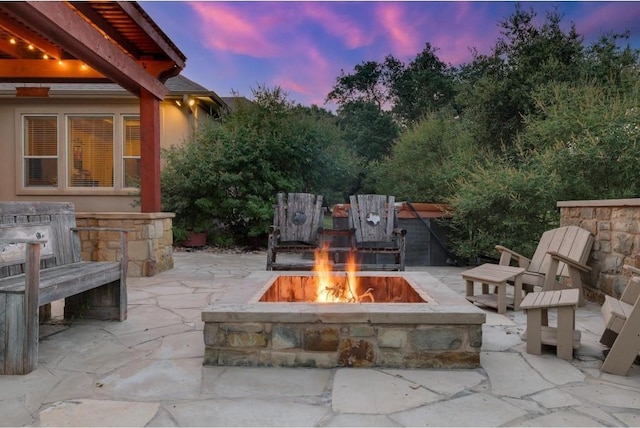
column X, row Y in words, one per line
column 12, row 41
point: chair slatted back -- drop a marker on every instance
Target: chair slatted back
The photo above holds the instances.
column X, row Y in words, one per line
column 373, row 217
column 571, row 241
column 298, row 217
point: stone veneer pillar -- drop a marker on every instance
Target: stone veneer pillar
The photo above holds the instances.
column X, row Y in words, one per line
column 615, row 223
column 150, row 240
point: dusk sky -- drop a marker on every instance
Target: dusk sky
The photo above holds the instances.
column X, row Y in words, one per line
column 302, row 46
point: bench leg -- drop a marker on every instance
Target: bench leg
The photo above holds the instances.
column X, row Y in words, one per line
column 564, row 344
column 534, row 331
column 108, row 302
column 19, row 321
column 502, row 297
column 469, row 292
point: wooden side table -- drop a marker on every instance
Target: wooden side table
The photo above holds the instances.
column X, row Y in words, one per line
column 495, row 275
column 564, row 337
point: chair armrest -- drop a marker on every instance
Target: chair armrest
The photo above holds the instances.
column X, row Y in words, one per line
column 568, row 261
column 506, row 255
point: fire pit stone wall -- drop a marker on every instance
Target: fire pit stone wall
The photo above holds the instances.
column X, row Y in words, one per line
column 446, row 332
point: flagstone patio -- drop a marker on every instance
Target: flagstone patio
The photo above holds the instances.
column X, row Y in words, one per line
column 148, row 371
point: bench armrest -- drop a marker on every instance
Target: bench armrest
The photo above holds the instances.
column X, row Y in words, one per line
column 506, row 255
column 570, row 262
column 20, row 241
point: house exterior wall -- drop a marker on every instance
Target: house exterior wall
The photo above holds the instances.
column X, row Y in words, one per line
column 150, row 234
column 176, row 123
column 615, row 223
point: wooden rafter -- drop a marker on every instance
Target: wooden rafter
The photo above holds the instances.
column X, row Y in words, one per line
column 21, row 32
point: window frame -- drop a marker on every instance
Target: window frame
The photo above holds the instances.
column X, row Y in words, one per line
column 23, row 152
column 62, row 112
column 124, row 157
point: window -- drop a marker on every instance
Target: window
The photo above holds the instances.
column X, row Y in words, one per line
column 90, row 148
column 40, row 151
column 79, row 152
column 131, row 152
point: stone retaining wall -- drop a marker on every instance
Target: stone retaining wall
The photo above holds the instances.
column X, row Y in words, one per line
column 150, row 240
column 342, row 345
column 615, row 223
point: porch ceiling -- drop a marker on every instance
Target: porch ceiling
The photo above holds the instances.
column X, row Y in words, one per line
column 87, row 41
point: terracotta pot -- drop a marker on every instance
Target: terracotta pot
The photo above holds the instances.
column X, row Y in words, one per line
column 195, row 239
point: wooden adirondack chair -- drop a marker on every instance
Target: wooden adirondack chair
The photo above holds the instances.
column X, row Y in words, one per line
column 616, row 311
column 374, row 223
column 297, row 228
column 561, row 252
column 622, row 327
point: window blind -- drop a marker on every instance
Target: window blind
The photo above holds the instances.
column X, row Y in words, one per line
column 40, row 151
column 90, row 146
column 131, row 151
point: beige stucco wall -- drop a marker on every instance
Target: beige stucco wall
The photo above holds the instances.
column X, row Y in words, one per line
column 615, row 223
column 176, row 125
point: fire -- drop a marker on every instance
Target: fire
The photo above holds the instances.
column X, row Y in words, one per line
column 333, row 288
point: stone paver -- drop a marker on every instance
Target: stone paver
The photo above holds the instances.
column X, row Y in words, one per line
column 147, row 371
column 470, row 411
column 374, row 392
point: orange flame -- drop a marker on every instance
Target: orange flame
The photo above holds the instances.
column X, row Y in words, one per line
column 331, row 288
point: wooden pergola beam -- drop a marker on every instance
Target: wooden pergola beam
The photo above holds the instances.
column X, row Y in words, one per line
column 22, row 70
column 56, row 21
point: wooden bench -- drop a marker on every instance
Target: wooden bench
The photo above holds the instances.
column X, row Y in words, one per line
column 40, row 262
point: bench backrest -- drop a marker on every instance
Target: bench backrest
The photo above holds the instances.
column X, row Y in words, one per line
column 570, row 241
column 298, row 217
column 373, row 217
column 39, row 221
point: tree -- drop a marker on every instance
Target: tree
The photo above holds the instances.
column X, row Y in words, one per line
column 367, row 129
column 370, row 82
column 426, row 85
column 496, row 90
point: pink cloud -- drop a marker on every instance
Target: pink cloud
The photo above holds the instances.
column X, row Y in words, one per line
column 599, row 21
column 393, row 20
column 227, row 29
column 307, row 74
column 338, row 25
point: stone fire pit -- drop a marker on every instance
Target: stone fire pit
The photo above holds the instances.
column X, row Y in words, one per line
column 415, row 322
